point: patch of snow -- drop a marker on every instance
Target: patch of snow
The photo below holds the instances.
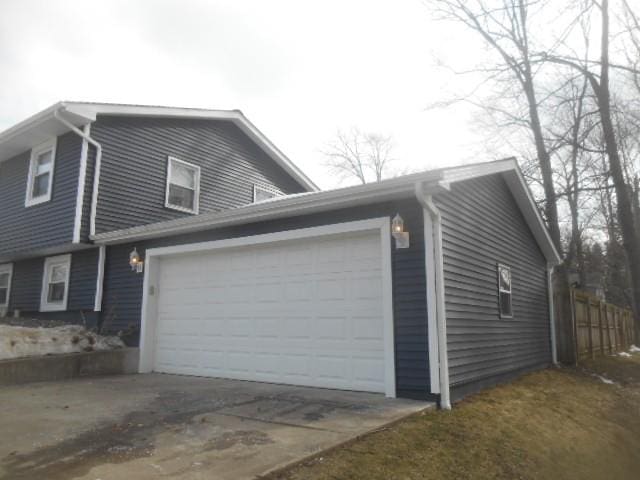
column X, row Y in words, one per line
column 634, row 349
column 624, row 354
column 16, row 342
column 604, row 379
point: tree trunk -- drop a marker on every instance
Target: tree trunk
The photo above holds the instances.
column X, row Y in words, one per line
column 544, row 159
column 628, row 228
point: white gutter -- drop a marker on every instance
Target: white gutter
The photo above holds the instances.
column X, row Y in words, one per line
column 82, row 178
column 430, row 210
column 96, row 173
column 552, row 314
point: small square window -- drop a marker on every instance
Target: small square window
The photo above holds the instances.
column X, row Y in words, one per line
column 504, row 291
column 55, row 283
column 183, row 186
column 40, row 177
column 6, row 272
column 262, row 193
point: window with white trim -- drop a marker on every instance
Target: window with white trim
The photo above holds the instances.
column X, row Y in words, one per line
column 183, row 186
column 55, row 283
column 504, row 291
column 40, row 179
column 6, row 272
column 262, row 192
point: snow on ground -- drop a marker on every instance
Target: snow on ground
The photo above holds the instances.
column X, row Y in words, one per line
column 634, row 349
column 604, row 379
column 624, row 354
column 16, row 342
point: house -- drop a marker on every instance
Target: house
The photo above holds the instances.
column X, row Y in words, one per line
column 191, row 226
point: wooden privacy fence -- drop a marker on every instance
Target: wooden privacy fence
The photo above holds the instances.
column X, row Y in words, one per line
column 596, row 327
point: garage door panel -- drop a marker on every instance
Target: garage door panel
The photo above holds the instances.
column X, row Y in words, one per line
column 305, row 312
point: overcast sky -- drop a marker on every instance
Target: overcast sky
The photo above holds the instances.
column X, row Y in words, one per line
column 299, row 70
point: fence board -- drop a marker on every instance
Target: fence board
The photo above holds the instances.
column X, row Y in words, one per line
column 597, row 327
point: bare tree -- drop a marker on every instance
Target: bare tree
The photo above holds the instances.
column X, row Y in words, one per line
column 363, row 156
column 504, row 27
column 600, row 85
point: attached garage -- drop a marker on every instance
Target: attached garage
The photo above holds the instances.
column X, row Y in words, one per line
column 307, row 307
column 319, row 290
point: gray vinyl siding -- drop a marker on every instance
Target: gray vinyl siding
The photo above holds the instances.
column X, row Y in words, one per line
column 26, row 229
column 483, row 226
column 123, row 288
column 134, row 167
column 26, row 286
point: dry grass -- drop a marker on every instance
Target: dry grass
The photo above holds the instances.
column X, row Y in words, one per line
column 555, row 424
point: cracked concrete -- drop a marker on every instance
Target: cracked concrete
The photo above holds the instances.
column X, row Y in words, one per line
column 170, row 426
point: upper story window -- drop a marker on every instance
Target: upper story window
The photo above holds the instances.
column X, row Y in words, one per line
column 183, row 186
column 6, row 272
column 504, row 291
column 55, row 283
column 40, row 178
column 262, row 192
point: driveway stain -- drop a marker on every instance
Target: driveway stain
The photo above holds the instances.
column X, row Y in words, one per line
column 238, row 437
column 133, row 436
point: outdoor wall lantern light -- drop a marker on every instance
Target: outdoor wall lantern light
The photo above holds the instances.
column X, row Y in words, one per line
column 136, row 263
column 397, row 231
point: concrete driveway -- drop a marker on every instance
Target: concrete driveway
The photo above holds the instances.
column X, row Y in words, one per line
column 157, row 426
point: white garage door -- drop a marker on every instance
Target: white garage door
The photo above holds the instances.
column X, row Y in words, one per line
column 303, row 312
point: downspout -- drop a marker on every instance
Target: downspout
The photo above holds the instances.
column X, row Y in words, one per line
column 94, row 202
column 96, row 172
column 430, row 209
column 552, row 314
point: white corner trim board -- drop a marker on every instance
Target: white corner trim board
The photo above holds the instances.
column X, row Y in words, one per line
column 552, row 314
column 154, row 257
column 433, row 249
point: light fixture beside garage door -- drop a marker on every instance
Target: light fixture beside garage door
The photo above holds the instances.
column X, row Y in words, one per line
column 397, row 231
column 136, row 263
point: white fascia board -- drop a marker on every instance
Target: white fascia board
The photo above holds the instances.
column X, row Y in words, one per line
column 33, row 131
column 18, row 138
column 400, row 187
column 526, row 203
column 437, row 181
column 90, row 110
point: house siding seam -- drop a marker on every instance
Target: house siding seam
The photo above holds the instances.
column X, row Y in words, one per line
column 48, row 224
column 26, row 286
column 482, row 226
column 123, row 288
column 134, row 167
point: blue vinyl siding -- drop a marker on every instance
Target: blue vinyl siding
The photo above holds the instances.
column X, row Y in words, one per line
column 134, row 167
column 27, row 229
column 26, row 286
column 483, row 226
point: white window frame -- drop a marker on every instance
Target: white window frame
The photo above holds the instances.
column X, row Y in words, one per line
column 7, row 268
column 30, row 200
column 267, row 189
column 49, row 263
column 504, row 290
column 196, row 198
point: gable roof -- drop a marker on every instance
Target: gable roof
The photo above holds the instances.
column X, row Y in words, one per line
column 43, row 125
column 434, row 182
